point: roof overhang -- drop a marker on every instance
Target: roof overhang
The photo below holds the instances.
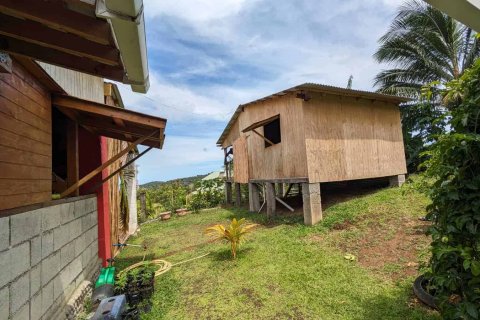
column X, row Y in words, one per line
column 465, row 11
column 75, row 35
column 112, row 122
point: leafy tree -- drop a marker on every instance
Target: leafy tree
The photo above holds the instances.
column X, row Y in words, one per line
column 454, row 166
column 206, row 194
column 423, row 45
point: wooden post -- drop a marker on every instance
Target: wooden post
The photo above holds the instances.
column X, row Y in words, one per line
column 280, row 190
column 397, row 181
column 228, row 192
column 312, row 204
column 253, row 197
column 238, row 195
column 271, row 201
column 72, row 155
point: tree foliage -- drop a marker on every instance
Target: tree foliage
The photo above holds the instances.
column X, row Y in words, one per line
column 454, row 165
column 206, row 194
column 423, row 45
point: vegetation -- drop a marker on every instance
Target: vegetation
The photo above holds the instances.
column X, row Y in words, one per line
column 184, row 181
column 235, row 233
column 206, row 194
column 454, row 166
column 424, row 46
column 291, row 271
column 167, row 197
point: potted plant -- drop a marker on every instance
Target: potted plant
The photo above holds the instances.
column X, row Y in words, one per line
column 165, row 215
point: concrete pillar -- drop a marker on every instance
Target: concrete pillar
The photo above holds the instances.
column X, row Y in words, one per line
column 238, row 195
column 280, row 190
column 228, row 192
column 143, row 205
column 397, row 181
column 312, row 204
column 253, row 197
column 270, row 197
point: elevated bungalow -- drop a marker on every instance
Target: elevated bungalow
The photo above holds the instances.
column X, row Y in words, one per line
column 309, row 135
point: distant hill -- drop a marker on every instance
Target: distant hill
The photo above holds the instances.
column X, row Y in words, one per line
column 185, row 181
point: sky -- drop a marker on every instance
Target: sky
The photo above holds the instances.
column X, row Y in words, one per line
column 208, row 56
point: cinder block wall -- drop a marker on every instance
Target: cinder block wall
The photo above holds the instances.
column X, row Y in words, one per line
column 45, row 254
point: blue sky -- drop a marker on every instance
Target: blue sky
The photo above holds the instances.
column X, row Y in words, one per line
column 208, row 56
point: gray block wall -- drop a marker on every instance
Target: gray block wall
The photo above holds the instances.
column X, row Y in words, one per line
column 45, row 254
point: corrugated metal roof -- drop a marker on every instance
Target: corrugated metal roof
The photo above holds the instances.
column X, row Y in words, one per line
column 315, row 87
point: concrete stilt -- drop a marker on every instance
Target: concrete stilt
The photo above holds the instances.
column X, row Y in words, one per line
column 238, row 195
column 228, row 192
column 312, row 204
column 253, row 197
column 397, row 181
column 280, row 190
column 271, row 201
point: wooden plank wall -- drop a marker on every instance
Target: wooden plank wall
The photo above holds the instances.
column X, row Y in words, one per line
column 286, row 159
column 240, row 167
column 349, row 138
column 25, row 140
column 75, row 83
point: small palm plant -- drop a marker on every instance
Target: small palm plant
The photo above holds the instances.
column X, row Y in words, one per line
column 235, row 233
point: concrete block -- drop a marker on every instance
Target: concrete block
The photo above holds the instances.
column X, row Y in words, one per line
column 67, row 212
column 80, row 245
column 35, row 250
column 35, row 279
column 19, row 292
column 36, row 307
column 23, row 313
column 312, row 203
column 67, row 253
column 72, row 230
column 25, row 226
column 47, row 296
column 397, row 181
column 271, row 201
column 14, row 262
column 60, row 237
column 58, row 287
column 4, row 233
column 50, row 267
column 79, row 210
column 91, row 205
column 47, row 243
column 5, row 301
column 51, row 217
column 253, row 197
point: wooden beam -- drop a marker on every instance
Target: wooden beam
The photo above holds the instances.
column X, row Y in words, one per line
column 108, row 111
column 72, row 155
column 59, row 58
column 55, row 15
column 120, row 136
column 284, row 204
column 34, row 32
column 260, row 135
column 261, row 123
column 93, row 173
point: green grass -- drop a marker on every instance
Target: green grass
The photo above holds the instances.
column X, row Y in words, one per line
column 280, row 273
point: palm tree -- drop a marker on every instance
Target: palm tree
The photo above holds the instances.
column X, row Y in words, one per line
column 423, row 45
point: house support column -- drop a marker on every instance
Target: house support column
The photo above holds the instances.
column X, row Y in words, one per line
column 312, row 204
column 253, row 197
column 280, row 190
column 228, row 192
column 397, row 181
column 270, row 197
column 238, row 195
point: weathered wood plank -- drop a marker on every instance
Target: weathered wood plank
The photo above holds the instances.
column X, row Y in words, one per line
column 13, row 201
column 12, row 140
column 25, row 157
column 26, row 172
column 15, row 187
column 11, row 109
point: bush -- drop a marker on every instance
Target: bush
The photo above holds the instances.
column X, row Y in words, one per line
column 454, row 166
column 206, row 194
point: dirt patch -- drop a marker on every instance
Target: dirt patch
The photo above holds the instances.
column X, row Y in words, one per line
column 390, row 249
column 252, row 297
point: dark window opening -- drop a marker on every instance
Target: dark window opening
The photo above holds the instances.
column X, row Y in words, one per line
column 271, row 131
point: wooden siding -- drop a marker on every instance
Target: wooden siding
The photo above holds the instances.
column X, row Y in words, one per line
column 25, row 139
column 348, row 138
column 240, row 167
column 77, row 84
column 284, row 160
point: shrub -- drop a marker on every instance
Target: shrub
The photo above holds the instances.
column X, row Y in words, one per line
column 454, row 166
column 234, row 234
column 206, row 194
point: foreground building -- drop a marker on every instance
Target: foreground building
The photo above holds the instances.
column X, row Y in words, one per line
column 63, row 136
column 312, row 134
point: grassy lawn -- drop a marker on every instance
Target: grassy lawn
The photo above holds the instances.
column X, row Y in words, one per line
column 289, row 271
